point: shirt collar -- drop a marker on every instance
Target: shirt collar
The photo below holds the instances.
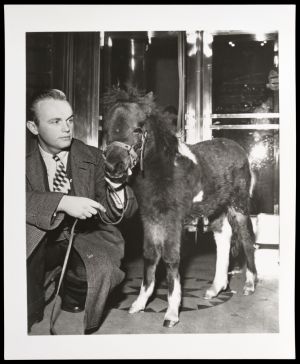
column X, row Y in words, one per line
column 63, row 155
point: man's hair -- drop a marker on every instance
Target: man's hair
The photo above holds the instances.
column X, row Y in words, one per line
column 47, row 94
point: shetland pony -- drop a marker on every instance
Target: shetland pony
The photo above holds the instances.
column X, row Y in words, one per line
column 175, row 182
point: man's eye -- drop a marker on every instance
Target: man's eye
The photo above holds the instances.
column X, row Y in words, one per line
column 71, row 120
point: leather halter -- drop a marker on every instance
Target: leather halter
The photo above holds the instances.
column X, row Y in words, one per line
column 134, row 158
column 131, row 152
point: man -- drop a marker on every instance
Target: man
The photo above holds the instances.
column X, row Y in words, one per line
column 65, row 181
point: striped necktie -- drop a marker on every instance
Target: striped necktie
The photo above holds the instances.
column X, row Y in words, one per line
column 61, row 182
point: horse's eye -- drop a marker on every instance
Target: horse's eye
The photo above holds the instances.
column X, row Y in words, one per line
column 138, row 130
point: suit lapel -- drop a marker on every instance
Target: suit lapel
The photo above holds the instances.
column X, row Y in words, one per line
column 36, row 172
column 81, row 161
column 80, row 169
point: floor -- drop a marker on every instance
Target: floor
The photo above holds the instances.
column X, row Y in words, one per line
column 230, row 312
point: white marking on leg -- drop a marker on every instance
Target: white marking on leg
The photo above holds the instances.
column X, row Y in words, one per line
column 140, row 303
column 249, row 287
column 174, row 300
column 223, row 240
column 185, row 151
column 199, row 197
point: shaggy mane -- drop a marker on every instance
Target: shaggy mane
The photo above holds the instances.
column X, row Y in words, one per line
column 132, row 95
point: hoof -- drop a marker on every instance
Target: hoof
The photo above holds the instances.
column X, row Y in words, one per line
column 212, row 292
column 135, row 310
column 170, row 323
column 209, row 294
column 249, row 288
column 247, row 291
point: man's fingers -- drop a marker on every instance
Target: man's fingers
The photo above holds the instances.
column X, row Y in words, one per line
column 91, row 204
column 101, row 208
column 93, row 211
column 97, row 206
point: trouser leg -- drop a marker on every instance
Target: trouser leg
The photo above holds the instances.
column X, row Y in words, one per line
column 75, row 283
column 36, row 268
column 74, row 287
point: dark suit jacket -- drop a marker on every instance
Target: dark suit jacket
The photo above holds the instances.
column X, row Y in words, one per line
column 87, row 167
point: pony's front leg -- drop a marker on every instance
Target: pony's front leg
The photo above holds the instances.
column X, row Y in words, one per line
column 171, row 257
column 174, row 294
column 151, row 259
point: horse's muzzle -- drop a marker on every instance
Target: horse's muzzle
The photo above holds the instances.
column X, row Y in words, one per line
column 116, row 172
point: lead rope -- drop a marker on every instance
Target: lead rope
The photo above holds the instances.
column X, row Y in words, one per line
column 53, row 316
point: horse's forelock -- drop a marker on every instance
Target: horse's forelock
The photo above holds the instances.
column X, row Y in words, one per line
column 132, row 95
column 126, row 114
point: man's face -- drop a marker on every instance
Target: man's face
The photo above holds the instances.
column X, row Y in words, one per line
column 55, row 125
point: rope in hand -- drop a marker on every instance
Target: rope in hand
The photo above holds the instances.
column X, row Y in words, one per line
column 54, row 313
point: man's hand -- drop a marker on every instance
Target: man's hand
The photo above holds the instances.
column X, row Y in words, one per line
column 79, row 207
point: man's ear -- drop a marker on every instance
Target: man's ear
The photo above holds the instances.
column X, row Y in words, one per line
column 31, row 125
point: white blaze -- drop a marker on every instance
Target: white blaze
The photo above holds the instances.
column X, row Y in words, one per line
column 185, row 151
column 199, row 197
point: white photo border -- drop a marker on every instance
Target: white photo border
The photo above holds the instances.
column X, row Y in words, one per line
column 20, row 19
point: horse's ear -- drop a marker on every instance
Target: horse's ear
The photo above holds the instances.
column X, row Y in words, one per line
column 149, row 96
column 148, row 103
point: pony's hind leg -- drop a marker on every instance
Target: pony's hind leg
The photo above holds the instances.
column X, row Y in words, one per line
column 242, row 225
column 152, row 253
column 222, row 234
column 171, row 257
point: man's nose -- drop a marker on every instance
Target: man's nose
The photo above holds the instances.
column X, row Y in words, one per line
column 66, row 126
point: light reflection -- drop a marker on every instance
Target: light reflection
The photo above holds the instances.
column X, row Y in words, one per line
column 207, row 41
column 190, row 125
column 191, row 37
column 260, row 37
column 150, row 36
column 207, row 50
column 258, row 152
column 132, row 64
column 208, row 38
column 262, row 151
column 101, row 39
column 132, row 46
column 192, row 51
column 109, row 42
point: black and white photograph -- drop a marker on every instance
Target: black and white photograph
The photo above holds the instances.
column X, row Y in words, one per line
column 150, row 182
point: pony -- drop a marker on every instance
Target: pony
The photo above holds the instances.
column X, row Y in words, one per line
column 176, row 183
